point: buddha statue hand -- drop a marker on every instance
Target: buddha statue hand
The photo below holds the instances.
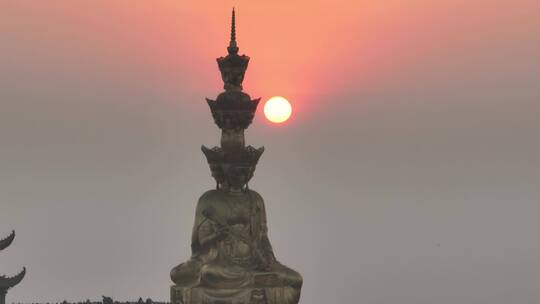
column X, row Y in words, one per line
column 263, row 261
column 223, row 230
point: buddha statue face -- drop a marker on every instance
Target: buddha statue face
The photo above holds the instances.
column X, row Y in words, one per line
column 233, row 78
column 238, row 176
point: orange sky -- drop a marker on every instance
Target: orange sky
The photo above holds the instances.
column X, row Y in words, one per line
column 304, row 50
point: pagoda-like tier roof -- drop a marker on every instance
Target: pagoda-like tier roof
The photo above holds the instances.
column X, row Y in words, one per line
column 4, row 243
column 233, row 109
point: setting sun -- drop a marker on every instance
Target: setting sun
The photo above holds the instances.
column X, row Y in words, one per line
column 277, row 109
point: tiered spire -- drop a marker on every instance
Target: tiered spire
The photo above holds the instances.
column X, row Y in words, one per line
column 233, row 48
column 233, row 112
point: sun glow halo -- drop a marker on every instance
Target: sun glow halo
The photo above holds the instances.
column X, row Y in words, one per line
column 277, row 109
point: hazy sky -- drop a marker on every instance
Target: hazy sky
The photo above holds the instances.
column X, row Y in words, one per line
column 409, row 172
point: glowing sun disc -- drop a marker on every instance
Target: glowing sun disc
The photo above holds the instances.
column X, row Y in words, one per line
column 277, row 109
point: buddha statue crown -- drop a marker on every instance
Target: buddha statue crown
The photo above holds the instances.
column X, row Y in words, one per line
column 233, row 163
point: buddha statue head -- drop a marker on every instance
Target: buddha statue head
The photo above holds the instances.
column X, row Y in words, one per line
column 232, row 170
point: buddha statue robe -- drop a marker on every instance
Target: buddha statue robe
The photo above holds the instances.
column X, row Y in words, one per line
column 230, row 246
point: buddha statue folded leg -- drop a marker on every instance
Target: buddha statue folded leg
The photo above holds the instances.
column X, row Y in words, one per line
column 187, row 274
column 287, row 276
column 278, row 275
column 224, row 276
column 283, row 283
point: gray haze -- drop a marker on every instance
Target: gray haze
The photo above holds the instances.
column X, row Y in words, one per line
column 421, row 187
